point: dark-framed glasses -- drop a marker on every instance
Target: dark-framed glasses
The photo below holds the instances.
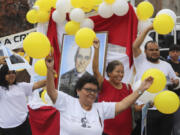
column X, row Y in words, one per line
column 89, row 90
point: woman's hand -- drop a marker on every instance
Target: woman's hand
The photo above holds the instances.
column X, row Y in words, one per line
column 2, row 60
column 96, row 43
column 50, row 62
column 146, row 84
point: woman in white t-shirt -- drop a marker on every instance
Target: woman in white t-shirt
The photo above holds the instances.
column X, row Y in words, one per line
column 13, row 103
column 81, row 116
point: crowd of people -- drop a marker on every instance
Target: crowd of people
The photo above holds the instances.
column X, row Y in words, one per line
column 100, row 106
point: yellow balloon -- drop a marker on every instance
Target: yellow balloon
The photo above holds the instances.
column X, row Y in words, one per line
column 159, row 81
column 144, row 10
column 44, row 5
column 163, row 24
column 84, row 37
column 72, row 27
column 54, row 3
column 27, row 58
column 36, row 45
column 109, row 1
column 31, row 16
column 40, row 67
column 167, row 102
column 43, row 16
column 77, row 3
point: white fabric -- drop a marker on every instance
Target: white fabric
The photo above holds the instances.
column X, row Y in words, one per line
column 72, row 114
column 13, row 104
column 141, row 65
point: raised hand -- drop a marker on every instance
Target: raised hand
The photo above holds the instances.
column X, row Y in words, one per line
column 146, row 83
column 2, row 60
column 96, row 43
column 49, row 62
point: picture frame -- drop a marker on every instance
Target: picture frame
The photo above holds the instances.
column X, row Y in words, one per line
column 13, row 60
column 76, row 61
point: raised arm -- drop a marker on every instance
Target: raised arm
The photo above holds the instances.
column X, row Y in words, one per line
column 39, row 84
column 96, row 72
column 139, row 40
column 52, row 92
column 129, row 100
column 2, row 60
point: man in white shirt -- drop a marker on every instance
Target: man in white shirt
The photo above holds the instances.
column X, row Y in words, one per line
column 157, row 123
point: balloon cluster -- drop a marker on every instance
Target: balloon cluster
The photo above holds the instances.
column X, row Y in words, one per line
column 164, row 18
column 110, row 7
column 40, row 12
column 37, row 45
column 166, row 101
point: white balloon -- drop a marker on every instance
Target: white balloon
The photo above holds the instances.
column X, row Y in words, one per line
column 63, row 5
column 143, row 24
column 169, row 12
column 87, row 23
column 105, row 10
column 120, row 7
column 77, row 15
column 58, row 17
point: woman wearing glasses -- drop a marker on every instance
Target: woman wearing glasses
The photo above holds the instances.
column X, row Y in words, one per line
column 13, row 102
column 82, row 116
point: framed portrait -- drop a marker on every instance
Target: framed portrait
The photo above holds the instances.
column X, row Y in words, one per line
column 13, row 60
column 76, row 62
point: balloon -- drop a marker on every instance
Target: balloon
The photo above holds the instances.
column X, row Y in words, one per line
column 54, row 3
column 44, row 5
column 77, row 3
column 43, row 16
column 109, row 1
column 167, row 102
column 36, row 45
column 163, row 24
column 84, row 37
column 159, row 81
column 87, row 5
column 146, row 97
column 120, row 7
column 31, row 16
column 168, row 12
column 72, row 27
column 105, row 10
column 144, row 10
column 87, row 23
column 40, row 67
column 77, row 15
column 63, row 6
column 58, row 17
column 143, row 24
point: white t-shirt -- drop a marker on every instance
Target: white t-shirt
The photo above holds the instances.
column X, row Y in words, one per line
column 74, row 120
column 13, row 104
column 141, row 65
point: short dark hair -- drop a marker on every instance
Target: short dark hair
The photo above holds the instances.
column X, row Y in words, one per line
column 174, row 48
column 3, row 72
column 151, row 41
column 84, row 80
column 111, row 66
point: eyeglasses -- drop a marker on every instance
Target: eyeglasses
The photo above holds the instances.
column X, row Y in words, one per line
column 89, row 90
